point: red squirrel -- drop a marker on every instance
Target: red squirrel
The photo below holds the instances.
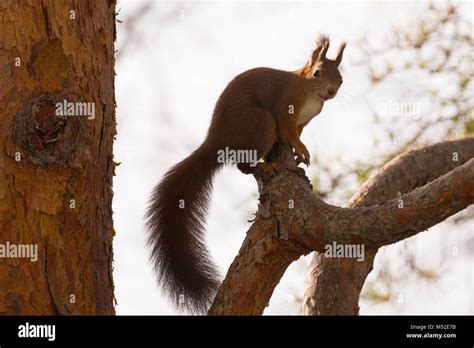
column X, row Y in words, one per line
column 257, row 107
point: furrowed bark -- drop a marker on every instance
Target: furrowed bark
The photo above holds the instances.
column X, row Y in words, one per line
column 56, row 172
column 281, row 234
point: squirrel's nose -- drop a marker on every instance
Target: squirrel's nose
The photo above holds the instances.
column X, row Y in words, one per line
column 331, row 91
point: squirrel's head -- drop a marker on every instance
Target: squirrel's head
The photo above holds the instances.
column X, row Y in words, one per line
column 322, row 74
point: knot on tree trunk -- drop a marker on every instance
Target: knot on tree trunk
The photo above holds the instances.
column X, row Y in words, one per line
column 43, row 136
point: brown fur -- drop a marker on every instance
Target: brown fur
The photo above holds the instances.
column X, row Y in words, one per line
column 251, row 113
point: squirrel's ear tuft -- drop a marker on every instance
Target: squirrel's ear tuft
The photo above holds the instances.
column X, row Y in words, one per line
column 340, row 51
column 319, row 53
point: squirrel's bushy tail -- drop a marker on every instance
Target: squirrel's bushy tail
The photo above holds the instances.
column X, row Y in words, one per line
column 175, row 222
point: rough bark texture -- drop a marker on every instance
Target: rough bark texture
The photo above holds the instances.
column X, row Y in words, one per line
column 56, row 172
column 334, row 285
column 292, row 221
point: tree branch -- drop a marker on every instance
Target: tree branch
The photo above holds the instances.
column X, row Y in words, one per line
column 334, row 285
column 291, row 221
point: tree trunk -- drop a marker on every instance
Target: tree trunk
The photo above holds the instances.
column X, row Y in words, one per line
column 56, row 167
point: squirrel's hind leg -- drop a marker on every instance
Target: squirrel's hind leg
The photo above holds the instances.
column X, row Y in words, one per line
column 260, row 135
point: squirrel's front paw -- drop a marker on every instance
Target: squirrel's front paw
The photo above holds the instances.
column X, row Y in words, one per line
column 302, row 156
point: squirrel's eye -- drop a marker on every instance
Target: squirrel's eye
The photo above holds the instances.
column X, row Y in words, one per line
column 317, row 73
